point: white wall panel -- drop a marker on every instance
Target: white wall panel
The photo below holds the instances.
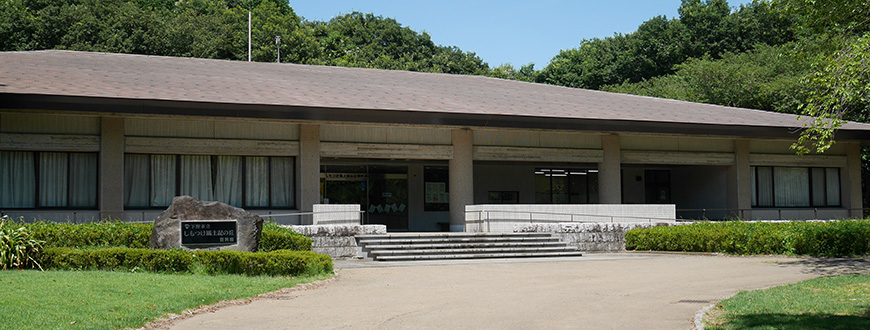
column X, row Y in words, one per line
column 210, row 128
column 384, row 134
column 48, row 124
column 519, row 138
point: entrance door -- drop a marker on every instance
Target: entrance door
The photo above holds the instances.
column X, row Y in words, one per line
column 382, row 191
column 388, row 196
column 657, row 184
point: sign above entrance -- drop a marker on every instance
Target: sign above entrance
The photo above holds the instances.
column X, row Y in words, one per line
column 345, row 176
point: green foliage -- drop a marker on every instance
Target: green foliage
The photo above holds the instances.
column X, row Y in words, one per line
column 276, row 238
column 281, row 262
column 118, row 259
column 18, row 248
column 836, row 238
column 275, row 263
column 842, row 91
column 766, row 78
column 106, row 233
column 138, row 235
column 705, row 29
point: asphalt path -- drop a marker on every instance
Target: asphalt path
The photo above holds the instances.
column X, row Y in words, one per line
column 597, row 291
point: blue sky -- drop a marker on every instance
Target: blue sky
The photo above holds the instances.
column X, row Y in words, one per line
column 506, row 31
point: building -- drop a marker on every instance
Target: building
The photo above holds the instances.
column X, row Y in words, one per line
column 90, row 135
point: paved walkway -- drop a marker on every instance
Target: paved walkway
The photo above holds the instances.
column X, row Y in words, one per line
column 598, row 291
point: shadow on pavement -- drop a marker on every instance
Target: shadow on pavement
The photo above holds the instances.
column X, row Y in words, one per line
column 831, row 266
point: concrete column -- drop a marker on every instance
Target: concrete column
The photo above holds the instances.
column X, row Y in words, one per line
column 850, row 181
column 461, row 177
column 308, row 169
column 609, row 171
column 111, row 167
column 739, row 187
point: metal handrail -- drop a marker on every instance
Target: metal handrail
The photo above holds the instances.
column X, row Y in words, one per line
column 361, row 217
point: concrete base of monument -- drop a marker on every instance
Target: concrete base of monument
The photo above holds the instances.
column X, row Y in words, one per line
column 337, row 241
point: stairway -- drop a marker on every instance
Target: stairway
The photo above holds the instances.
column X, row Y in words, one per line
column 441, row 246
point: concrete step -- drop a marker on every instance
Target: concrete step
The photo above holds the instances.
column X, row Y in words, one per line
column 478, row 256
column 366, row 241
column 450, row 235
column 379, row 253
column 464, row 245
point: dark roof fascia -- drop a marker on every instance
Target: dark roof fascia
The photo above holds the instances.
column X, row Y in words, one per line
column 263, row 111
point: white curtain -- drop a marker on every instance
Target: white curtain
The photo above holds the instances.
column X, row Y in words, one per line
column 818, row 186
column 136, row 180
column 764, row 176
column 257, row 181
column 53, row 176
column 83, row 180
column 196, row 177
column 162, row 180
column 833, row 186
column 17, row 179
column 791, row 185
column 282, row 185
column 228, row 182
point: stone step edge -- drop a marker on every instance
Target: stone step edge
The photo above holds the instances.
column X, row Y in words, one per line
column 461, row 244
column 448, row 235
column 456, row 239
column 471, row 251
column 479, row 256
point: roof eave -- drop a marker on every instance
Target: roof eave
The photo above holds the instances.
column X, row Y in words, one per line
column 302, row 113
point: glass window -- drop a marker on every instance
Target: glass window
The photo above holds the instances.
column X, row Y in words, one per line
column 48, row 179
column 437, row 194
column 566, row 186
column 256, row 182
column 795, row 186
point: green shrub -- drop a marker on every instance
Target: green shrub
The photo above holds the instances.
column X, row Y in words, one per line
column 835, row 238
column 276, row 238
column 275, row 263
column 18, row 247
column 138, row 235
column 118, row 259
column 281, row 262
column 105, row 233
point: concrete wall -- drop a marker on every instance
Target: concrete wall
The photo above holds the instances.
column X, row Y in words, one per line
column 336, row 214
column 591, row 237
column 502, row 218
column 337, row 241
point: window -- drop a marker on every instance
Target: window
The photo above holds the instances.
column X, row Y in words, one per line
column 795, row 186
column 564, row 186
column 48, row 179
column 242, row 181
column 437, row 193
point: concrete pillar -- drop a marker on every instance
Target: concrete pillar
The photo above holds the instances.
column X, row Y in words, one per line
column 111, row 167
column 461, row 177
column 739, row 187
column 609, row 171
column 308, row 169
column 850, row 181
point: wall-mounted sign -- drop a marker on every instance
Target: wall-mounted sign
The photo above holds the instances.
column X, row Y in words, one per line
column 209, row 232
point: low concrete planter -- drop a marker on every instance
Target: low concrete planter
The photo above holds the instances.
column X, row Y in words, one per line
column 591, row 236
column 337, row 241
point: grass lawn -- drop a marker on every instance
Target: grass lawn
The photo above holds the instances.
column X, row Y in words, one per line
column 841, row 302
column 104, row 300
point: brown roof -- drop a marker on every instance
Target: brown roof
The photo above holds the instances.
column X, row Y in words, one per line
column 140, row 77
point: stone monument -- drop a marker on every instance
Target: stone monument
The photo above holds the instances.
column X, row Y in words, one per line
column 192, row 224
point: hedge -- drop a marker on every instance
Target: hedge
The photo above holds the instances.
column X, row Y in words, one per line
column 275, row 263
column 831, row 239
column 138, row 235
